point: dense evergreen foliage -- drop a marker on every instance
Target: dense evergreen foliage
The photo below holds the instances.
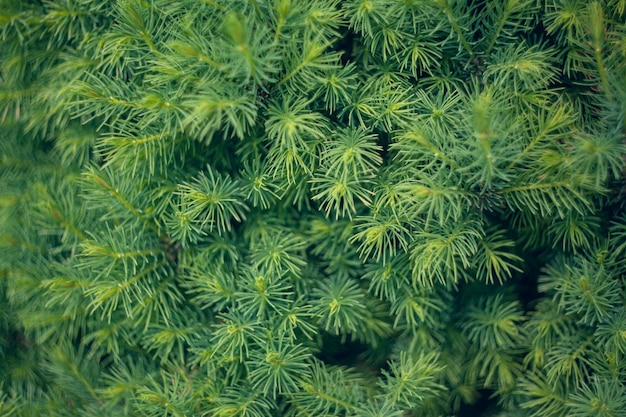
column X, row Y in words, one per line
column 312, row 208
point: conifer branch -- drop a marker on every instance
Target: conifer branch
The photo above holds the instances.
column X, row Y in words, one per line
column 322, row 207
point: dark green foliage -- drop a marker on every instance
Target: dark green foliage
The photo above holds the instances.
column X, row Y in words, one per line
column 360, row 208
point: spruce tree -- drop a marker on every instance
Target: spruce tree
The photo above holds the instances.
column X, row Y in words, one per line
column 356, row 208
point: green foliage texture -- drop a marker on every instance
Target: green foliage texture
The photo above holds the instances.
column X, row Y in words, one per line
column 359, row 208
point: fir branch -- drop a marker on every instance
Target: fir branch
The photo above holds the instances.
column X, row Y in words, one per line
column 246, row 208
column 411, row 380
